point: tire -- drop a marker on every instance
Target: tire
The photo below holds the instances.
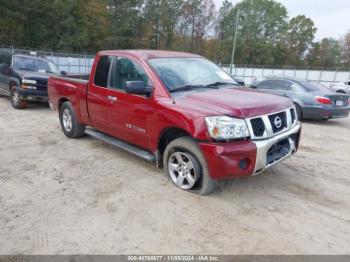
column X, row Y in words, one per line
column 299, row 112
column 69, row 123
column 16, row 100
column 185, row 165
column 341, row 92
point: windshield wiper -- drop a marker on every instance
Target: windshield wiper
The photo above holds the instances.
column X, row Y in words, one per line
column 217, row 84
column 185, row 88
column 191, row 87
column 27, row 69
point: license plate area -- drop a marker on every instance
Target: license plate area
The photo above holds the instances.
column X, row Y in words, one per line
column 278, row 151
column 339, row 103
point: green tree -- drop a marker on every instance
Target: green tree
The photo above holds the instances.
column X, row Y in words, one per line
column 125, row 20
column 299, row 36
column 11, row 23
column 261, row 27
column 325, row 53
column 345, row 52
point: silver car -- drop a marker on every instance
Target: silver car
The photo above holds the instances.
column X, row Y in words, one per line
column 342, row 88
column 312, row 99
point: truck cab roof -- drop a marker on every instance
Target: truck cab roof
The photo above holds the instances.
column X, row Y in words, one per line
column 149, row 54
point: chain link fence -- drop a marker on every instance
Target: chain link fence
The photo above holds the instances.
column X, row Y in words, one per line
column 74, row 63
column 250, row 72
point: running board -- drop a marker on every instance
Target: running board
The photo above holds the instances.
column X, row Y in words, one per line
column 121, row 145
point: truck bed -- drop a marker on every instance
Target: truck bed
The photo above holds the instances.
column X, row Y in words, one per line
column 72, row 88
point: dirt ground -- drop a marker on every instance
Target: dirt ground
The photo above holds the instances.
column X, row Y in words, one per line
column 62, row 196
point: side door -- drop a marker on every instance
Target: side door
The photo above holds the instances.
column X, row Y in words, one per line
column 130, row 114
column 5, row 63
column 99, row 101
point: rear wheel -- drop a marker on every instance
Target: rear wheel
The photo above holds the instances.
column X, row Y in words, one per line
column 186, row 167
column 69, row 123
column 341, row 92
column 16, row 100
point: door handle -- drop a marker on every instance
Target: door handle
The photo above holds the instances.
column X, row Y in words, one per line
column 112, row 98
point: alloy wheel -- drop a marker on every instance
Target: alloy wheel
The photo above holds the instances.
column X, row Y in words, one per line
column 182, row 170
column 15, row 97
column 67, row 120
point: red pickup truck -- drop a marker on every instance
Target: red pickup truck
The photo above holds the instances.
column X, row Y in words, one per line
column 179, row 110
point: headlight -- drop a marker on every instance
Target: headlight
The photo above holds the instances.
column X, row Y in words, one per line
column 28, row 82
column 225, row 128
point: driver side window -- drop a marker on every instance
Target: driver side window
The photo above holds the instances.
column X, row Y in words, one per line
column 124, row 70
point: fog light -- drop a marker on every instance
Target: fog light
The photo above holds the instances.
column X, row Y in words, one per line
column 243, row 164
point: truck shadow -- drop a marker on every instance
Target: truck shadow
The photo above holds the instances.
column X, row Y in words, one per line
column 30, row 105
column 37, row 106
column 331, row 122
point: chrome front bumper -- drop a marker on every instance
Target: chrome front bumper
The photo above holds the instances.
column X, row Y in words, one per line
column 263, row 147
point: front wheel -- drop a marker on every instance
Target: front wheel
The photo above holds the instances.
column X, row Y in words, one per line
column 69, row 122
column 16, row 101
column 186, row 167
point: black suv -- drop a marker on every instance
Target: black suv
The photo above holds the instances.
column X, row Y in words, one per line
column 24, row 77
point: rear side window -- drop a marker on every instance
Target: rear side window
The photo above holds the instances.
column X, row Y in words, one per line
column 267, row 84
column 275, row 84
column 283, row 85
column 102, row 71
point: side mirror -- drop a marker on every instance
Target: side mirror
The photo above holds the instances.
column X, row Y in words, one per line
column 138, row 88
column 64, row 73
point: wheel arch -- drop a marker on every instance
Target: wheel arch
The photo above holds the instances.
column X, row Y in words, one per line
column 341, row 91
column 60, row 102
column 168, row 135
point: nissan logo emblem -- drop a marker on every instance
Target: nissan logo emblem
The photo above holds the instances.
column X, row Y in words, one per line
column 278, row 122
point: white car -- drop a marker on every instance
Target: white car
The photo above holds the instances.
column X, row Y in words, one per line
column 340, row 87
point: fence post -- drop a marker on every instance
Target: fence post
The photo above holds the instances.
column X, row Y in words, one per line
column 262, row 73
column 319, row 79
column 85, row 59
column 335, row 74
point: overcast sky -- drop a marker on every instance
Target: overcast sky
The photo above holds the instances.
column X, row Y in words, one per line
column 331, row 17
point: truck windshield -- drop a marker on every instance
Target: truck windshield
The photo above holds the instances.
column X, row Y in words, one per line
column 181, row 74
column 35, row 64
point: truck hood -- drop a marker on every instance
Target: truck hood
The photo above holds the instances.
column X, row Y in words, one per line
column 236, row 102
column 34, row 75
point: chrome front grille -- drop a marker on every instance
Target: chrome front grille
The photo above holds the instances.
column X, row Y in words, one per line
column 41, row 85
column 258, row 126
column 293, row 114
column 278, row 121
column 266, row 126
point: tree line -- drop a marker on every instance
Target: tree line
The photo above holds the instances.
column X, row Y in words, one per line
column 266, row 35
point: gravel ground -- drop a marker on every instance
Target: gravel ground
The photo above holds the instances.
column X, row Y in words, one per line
column 62, row 196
